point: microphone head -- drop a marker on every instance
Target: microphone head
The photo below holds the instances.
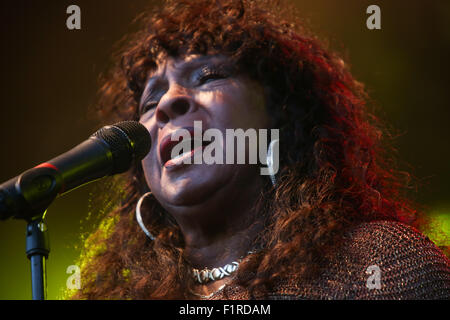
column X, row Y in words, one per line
column 128, row 141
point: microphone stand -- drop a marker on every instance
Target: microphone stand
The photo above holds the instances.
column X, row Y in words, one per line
column 39, row 183
column 111, row 150
column 37, row 250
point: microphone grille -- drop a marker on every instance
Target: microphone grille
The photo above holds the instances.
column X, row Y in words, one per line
column 138, row 135
column 127, row 140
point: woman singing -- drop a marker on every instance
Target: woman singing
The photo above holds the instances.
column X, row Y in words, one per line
column 331, row 222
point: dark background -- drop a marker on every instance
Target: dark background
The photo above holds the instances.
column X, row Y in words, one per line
column 49, row 79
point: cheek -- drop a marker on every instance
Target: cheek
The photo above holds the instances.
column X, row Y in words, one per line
column 253, row 102
column 152, row 172
column 149, row 122
column 243, row 108
column 150, row 162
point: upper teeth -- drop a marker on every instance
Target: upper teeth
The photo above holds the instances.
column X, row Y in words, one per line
column 187, row 144
column 181, row 156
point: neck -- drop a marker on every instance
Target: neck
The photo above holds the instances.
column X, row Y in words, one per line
column 223, row 249
column 223, row 231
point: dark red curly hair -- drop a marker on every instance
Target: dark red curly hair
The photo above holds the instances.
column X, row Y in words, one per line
column 336, row 170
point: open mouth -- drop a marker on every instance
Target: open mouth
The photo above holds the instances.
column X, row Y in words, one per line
column 186, row 147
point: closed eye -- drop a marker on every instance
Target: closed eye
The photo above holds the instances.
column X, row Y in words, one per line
column 208, row 74
column 148, row 107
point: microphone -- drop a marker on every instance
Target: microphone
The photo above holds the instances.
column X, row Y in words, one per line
column 110, row 150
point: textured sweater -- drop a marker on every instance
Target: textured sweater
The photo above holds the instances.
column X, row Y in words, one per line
column 381, row 260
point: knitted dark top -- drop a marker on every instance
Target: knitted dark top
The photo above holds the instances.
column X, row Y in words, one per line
column 410, row 267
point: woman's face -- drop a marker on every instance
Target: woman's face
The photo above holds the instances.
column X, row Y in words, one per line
column 197, row 88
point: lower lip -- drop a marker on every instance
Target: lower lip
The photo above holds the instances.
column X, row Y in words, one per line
column 181, row 161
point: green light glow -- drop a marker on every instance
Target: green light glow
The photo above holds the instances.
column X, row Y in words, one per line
column 439, row 229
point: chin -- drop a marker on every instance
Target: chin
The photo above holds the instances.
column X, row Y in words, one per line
column 191, row 185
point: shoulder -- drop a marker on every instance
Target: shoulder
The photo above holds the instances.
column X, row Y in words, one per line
column 379, row 260
column 390, row 240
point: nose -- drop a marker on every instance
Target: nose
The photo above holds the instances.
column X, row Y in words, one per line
column 175, row 103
